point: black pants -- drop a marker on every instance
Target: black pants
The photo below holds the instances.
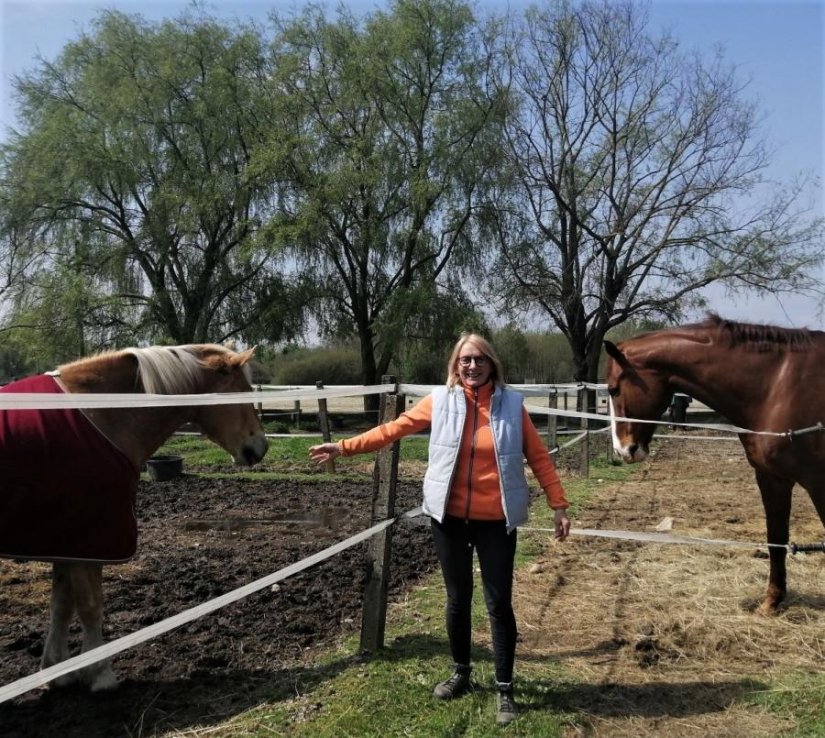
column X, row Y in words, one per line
column 455, row 540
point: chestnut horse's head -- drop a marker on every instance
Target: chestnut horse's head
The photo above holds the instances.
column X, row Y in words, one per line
column 638, row 392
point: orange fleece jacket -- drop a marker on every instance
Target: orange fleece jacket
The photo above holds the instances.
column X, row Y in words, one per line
column 479, row 497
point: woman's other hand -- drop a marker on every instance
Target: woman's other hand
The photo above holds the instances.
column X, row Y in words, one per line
column 562, row 524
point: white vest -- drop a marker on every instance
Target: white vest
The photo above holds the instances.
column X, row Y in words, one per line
column 449, row 413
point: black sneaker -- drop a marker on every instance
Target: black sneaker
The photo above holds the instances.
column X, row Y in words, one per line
column 457, row 685
column 505, row 707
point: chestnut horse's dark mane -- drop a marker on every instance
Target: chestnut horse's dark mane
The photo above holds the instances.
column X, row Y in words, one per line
column 760, row 337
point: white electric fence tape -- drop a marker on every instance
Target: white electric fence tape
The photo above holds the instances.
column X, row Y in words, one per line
column 627, row 535
column 39, row 679
column 35, row 400
column 44, row 676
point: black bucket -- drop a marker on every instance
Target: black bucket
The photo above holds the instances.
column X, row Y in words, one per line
column 162, row 468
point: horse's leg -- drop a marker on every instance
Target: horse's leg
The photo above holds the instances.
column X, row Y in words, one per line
column 776, row 499
column 816, row 491
column 60, row 616
column 87, row 585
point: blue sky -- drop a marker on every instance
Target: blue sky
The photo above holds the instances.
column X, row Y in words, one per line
column 777, row 45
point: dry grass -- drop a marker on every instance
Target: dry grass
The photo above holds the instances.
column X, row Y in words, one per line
column 666, row 634
column 36, row 576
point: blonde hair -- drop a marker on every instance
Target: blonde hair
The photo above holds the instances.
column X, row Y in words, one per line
column 486, row 348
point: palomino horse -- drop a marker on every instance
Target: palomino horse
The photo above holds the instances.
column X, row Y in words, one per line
column 761, row 378
column 71, row 500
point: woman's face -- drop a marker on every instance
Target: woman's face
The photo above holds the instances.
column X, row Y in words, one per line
column 474, row 366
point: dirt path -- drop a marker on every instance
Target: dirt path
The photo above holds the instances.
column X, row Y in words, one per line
column 666, row 634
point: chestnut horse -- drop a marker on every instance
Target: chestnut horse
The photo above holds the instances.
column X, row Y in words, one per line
column 761, row 378
column 94, row 523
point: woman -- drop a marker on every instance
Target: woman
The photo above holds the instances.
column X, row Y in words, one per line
column 476, row 495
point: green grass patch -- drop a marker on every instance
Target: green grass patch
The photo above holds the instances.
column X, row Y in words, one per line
column 196, row 451
column 286, row 454
column 798, row 697
column 390, row 694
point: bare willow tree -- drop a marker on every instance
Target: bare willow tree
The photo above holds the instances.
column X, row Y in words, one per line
column 636, row 179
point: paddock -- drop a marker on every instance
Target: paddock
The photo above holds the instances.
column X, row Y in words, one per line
column 657, row 639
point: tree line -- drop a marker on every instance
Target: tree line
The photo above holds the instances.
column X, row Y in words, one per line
column 387, row 179
column 528, row 357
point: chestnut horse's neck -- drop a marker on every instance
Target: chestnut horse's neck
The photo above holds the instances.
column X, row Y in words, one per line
column 137, row 431
column 733, row 368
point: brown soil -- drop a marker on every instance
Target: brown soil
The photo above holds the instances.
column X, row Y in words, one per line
column 200, row 538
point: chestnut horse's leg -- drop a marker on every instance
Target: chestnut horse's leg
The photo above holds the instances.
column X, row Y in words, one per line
column 87, row 587
column 60, row 616
column 816, row 491
column 776, row 499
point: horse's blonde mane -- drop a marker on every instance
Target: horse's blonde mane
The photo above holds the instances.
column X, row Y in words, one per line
column 170, row 370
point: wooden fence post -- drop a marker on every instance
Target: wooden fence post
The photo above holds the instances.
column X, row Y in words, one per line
column 612, row 457
column 385, row 476
column 260, row 405
column 552, row 420
column 323, row 422
column 584, row 456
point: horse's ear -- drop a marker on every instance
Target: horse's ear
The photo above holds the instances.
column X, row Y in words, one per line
column 244, row 357
column 615, row 353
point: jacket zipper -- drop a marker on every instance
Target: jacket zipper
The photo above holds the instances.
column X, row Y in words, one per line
column 472, row 454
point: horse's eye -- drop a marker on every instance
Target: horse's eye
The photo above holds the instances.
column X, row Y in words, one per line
column 613, row 391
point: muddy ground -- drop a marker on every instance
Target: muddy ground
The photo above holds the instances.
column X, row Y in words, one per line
column 200, row 538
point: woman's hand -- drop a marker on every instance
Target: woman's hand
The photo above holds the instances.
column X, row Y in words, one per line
column 562, row 524
column 324, row 452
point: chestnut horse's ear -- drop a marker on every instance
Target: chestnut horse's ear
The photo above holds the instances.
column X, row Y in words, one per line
column 615, row 353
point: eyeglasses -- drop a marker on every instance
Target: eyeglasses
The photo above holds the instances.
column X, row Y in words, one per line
column 467, row 360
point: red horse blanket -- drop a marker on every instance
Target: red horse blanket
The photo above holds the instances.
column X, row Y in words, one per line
column 66, row 492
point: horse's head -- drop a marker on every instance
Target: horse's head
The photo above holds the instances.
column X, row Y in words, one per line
column 236, row 428
column 635, row 391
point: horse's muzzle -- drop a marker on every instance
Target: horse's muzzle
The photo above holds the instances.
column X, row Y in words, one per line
column 253, row 451
column 633, row 454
